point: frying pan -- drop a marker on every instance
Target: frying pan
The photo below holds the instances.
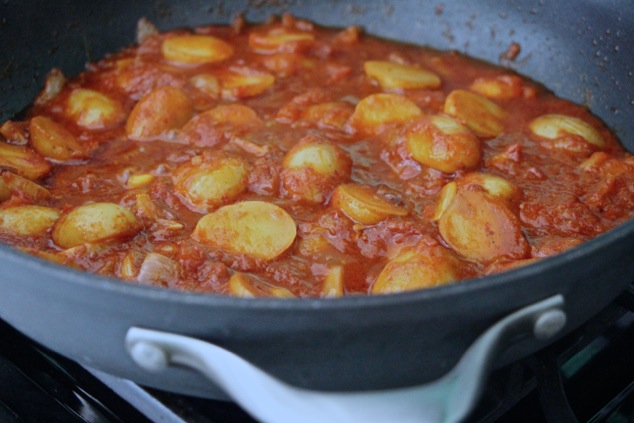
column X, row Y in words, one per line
column 580, row 50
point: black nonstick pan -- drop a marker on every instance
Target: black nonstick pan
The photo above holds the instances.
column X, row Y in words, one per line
column 582, row 50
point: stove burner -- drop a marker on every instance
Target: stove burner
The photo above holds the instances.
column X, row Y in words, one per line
column 586, row 376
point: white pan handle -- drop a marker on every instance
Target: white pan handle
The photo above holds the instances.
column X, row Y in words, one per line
column 447, row 399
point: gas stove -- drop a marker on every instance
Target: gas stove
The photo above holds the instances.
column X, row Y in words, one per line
column 588, row 376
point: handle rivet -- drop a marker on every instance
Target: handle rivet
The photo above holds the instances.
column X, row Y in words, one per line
column 548, row 324
column 149, row 356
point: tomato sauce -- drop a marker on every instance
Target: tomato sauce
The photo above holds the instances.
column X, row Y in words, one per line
column 388, row 166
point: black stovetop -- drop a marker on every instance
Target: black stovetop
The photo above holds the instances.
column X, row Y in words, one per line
column 588, row 376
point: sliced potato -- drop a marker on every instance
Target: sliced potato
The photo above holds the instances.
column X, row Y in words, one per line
column 275, row 40
column 417, row 268
column 375, row 111
column 93, row 110
column 94, row 223
column 254, row 228
column 312, row 169
column 10, row 183
column 443, row 143
column 481, row 228
column 23, row 161
column 238, row 83
column 233, row 114
column 553, row 126
column 333, row 282
column 445, row 197
column 329, row 115
column 27, row 220
column 243, row 285
column 496, row 186
column 362, row 204
column 391, row 75
column 500, row 87
column 195, row 49
column 162, row 109
column 209, row 184
column 480, row 114
column 53, row 140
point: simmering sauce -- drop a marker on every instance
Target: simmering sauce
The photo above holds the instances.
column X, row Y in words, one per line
column 289, row 160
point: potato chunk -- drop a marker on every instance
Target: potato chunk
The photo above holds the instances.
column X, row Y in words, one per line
column 27, row 220
column 553, row 126
column 53, row 140
column 245, row 286
column 481, row 228
column 312, row 169
column 94, row 223
column 23, row 161
column 254, row 228
column 500, row 87
column 276, row 40
column 496, row 186
column 391, row 75
column 442, row 143
column 93, row 110
column 162, row 109
column 10, row 183
column 237, row 83
column 480, row 114
column 416, row 268
column 376, row 111
column 362, row 204
column 195, row 49
column 207, row 185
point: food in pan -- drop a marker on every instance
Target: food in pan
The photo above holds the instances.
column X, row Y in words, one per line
column 289, row 160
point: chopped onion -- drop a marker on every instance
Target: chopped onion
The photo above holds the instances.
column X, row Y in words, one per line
column 158, row 270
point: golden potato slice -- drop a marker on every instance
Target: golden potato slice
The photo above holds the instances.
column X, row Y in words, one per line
column 417, row 268
column 234, row 114
column 442, row 143
column 375, row 111
column 496, row 186
column 500, row 87
column 162, row 109
column 333, row 114
column 207, row 185
column 254, row 228
column 92, row 109
column 312, row 169
column 27, row 220
column 445, row 197
column 23, row 161
column 245, row 286
column 333, row 282
column 53, row 140
column 10, row 183
column 362, row 204
column 274, row 40
column 391, row 75
column 480, row 114
column 94, row 223
column 195, row 49
column 553, row 126
column 481, row 228
column 238, row 83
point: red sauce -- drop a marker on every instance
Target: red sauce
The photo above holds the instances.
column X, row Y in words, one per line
column 253, row 106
